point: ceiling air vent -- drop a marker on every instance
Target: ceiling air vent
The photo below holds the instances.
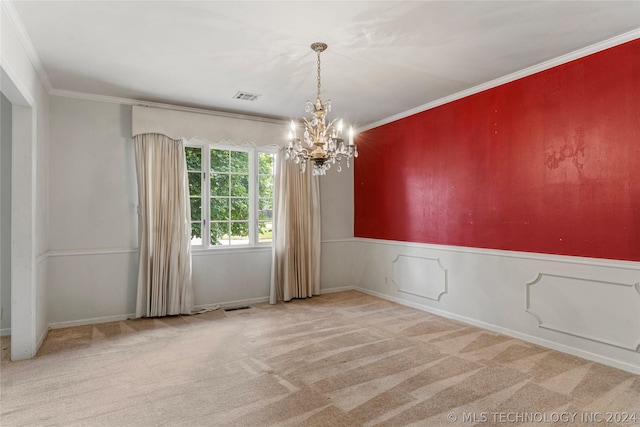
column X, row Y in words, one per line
column 246, row 96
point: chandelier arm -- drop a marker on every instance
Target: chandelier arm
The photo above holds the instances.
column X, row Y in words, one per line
column 302, row 152
column 330, row 125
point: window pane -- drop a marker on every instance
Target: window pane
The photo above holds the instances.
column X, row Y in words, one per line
column 265, row 204
column 219, row 233
column 266, row 172
column 239, row 233
column 267, row 164
column 220, row 209
column 195, row 183
column 219, row 185
column 266, row 209
column 265, row 214
column 227, row 204
column 196, row 234
column 194, row 158
column 239, row 209
column 265, row 231
column 240, row 185
column 196, row 208
column 239, row 162
column 220, row 160
column 266, row 186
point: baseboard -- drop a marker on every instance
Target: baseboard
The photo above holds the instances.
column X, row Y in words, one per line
column 91, row 321
column 41, row 340
column 515, row 334
column 5, row 332
column 121, row 317
column 339, row 289
column 206, row 307
column 231, row 304
column 245, row 302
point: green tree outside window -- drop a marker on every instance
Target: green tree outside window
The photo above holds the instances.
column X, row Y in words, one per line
column 229, row 203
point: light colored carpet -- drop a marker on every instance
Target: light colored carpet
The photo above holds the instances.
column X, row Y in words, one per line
column 343, row 359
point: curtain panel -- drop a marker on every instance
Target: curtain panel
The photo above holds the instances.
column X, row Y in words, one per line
column 164, row 273
column 296, row 242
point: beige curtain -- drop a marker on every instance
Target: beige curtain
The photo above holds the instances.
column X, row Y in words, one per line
column 296, row 244
column 164, row 273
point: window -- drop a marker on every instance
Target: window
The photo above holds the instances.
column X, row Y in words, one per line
column 266, row 174
column 231, row 194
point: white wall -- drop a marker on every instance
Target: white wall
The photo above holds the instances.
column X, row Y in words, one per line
column 588, row 307
column 5, row 214
column 92, row 261
column 336, row 202
column 22, row 85
column 92, row 178
column 231, row 277
column 93, row 256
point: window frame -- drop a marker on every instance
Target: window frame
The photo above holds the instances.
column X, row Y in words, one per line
column 254, row 185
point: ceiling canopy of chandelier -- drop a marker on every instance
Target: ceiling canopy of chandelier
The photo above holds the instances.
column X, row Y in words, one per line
column 323, row 143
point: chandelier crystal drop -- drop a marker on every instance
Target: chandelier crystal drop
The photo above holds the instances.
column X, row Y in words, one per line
column 321, row 143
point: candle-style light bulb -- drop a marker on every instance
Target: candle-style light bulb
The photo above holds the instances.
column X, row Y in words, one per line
column 293, row 130
column 350, row 135
column 340, row 125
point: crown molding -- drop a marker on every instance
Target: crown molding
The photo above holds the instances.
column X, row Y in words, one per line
column 571, row 56
column 23, row 36
column 129, row 101
column 25, row 40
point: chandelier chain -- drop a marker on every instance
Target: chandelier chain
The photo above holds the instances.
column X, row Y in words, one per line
column 318, row 75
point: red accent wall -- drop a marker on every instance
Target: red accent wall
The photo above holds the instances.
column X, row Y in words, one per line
column 549, row 163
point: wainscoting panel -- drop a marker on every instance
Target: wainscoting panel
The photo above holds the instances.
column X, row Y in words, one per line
column 42, row 283
column 602, row 311
column 419, row 276
column 99, row 285
column 87, row 286
column 583, row 306
column 231, row 275
column 336, row 265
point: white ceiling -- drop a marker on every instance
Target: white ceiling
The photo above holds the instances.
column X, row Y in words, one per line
column 384, row 57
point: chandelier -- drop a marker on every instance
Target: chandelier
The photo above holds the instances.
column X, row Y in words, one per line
column 323, row 143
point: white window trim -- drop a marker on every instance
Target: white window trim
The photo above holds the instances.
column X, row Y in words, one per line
column 253, row 151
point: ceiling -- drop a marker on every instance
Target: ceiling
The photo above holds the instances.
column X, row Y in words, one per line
column 384, row 57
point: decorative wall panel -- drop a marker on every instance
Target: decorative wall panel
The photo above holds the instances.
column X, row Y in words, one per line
column 586, row 307
column 602, row 311
column 419, row 276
